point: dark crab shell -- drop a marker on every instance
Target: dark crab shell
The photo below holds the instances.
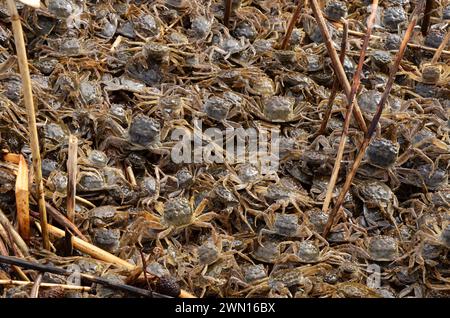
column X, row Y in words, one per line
column 445, row 236
column 254, row 273
column 383, row 248
column 144, row 130
column 177, row 212
column 267, row 253
column 286, row 224
column 217, row 108
column 308, row 252
column 335, row 10
column 278, row 108
column 382, row 152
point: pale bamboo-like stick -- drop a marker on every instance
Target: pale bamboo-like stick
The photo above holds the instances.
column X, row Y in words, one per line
column 291, row 25
column 28, row 100
column 131, row 176
column 72, row 167
column 47, row 285
column 375, row 120
column 34, row 293
column 116, row 43
column 102, row 255
column 31, row 3
column 350, row 102
column 337, row 65
column 15, row 236
column 83, row 200
column 22, row 200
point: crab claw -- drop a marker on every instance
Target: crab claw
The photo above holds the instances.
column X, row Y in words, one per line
column 31, row 3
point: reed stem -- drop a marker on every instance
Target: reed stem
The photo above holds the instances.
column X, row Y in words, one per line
column 28, row 100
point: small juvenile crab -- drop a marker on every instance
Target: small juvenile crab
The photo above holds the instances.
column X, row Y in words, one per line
column 178, row 214
column 285, row 225
column 376, row 194
column 285, row 280
column 383, row 248
column 251, row 81
column 432, row 73
column 281, row 196
column 107, row 215
column 305, row 252
column 276, row 109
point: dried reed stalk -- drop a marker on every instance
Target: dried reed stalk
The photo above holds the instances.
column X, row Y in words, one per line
column 376, row 118
column 337, row 65
column 63, row 221
column 426, row 17
column 34, row 293
column 4, row 251
column 440, row 49
column 411, row 45
column 71, row 177
column 59, row 271
column 227, row 14
column 336, row 86
column 131, row 176
column 22, row 200
column 12, row 157
column 28, row 100
column 350, row 103
column 16, row 238
column 51, row 285
column 291, row 25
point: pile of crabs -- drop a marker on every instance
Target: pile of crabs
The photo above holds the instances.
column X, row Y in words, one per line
column 123, row 75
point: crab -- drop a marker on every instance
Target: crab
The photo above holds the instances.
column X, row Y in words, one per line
column 267, row 252
column 285, row 280
column 305, row 252
column 144, row 133
column 376, row 194
column 107, row 215
column 301, row 86
column 347, row 290
column 248, row 276
column 282, row 195
column 285, row 225
column 228, row 46
column 178, row 214
column 217, row 249
column 382, row 248
column 431, row 73
column 57, row 183
column 276, row 109
column 250, row 81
